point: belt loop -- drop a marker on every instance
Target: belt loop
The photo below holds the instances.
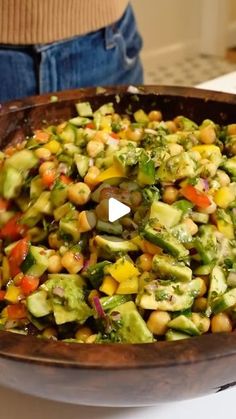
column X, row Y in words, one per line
column 110, row 37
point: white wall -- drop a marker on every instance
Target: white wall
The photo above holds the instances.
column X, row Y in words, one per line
column 172, row 28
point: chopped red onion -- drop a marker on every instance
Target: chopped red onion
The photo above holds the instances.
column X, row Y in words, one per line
column 205, row 184
column 98, row 307
column 63, row 168
column 59, row 291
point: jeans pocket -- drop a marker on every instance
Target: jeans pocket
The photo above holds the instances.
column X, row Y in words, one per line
column 125, row 37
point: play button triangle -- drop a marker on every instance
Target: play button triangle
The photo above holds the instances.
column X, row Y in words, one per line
column 116, row 209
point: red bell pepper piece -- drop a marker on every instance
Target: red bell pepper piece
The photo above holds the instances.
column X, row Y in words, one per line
column 195, row 196
column 13, row 229
column 16, row 311
column 29, row 284
column 18, row 255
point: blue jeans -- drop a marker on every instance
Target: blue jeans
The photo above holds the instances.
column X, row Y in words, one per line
column 109, row 56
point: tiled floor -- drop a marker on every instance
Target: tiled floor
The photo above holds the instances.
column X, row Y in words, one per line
column 190, row 72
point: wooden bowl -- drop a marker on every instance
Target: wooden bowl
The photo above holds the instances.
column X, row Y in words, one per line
column 117, row 374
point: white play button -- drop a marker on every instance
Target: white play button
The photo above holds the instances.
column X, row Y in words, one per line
column 116, row 209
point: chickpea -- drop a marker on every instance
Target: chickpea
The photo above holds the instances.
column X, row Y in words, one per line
column 221, row 323
column 101, row 136
column 175, row 149
column 158, row 322
column 79, row 193
column 136, row 198
column 43, row 153
column 202, row 322
column 144, row 262
column 72, row 262
column 54, row 264
column 53, row 241
column 170, row 194
column 191, row 226
column 86, row 221
column 171, row 126
column 223, row 178
column 200, row 304
column 94, row 148
column 91, row 176
column 231, row 129
column 83, row 333
column 102, row 210
column 134, row 134
column 203, row 288
column 46, row 166
column 207, row 135
column 91, row 339
column 50, row 333
column 155, row 116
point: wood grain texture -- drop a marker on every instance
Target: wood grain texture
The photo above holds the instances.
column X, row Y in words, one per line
column 117, row 375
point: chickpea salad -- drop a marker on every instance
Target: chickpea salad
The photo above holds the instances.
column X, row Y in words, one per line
column 165, row 271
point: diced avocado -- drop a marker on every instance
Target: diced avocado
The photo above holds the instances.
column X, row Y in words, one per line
column 133, row 328
column 146, row 170
column 224, row 223
column 168, row 267
column 172, row 335
column 230, row 166
column 165, row 215
column 113, row 244
column 38, row 304
column 67, row 277
column 69, row 227
column 204, row 269
column 184, row 324
column 58, row 194
column 95, row 273
column 84, row 109
column 218, row 284
column 206, row 244
column 177, row 167
column 110, row 228
column 11, row 183
column 82, row 164
column 67, row 298
column 109, row 303
column 22, row 160
column 224, row 302
column 177, row 296
column 166, row 241
column 36, row 262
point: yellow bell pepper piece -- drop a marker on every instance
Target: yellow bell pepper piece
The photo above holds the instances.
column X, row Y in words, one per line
column 13, row 294
column 225, row 228
column 129, row 286
column 53, row 146
column 206, row 150
column 5, row 270
column 111, row 172
column 122, row 270
column 109, row 285
column 223, row 197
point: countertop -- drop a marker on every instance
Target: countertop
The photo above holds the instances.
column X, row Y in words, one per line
column 20, row 406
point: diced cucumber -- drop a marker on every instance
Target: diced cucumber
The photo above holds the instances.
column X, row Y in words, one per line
column 84, row 109
column 206, row 244
column 63, row 210
column 224, row 302
column 109, row 303
column 230, row 166
column 38, row 304
column 146, row 170
column 31, row 217
column 36, row 187
column 22, row 160
column 36, row 262
column 12, row 183
column 58, row 194
column 184, row 324
column 43, row 203
column 166, row 241
column 200, row 217
column 110, row 228
column 168, row 267
column 69, row 226
column 80, row 121
column 106, row 109
column 5, row 217
column 204, row 269
column 172, row 335
column 82, row 164
column 166, row 215
column 218, row 284
column 95, row 195
column 68, row 135
column 95, row 273
column 113, row 244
